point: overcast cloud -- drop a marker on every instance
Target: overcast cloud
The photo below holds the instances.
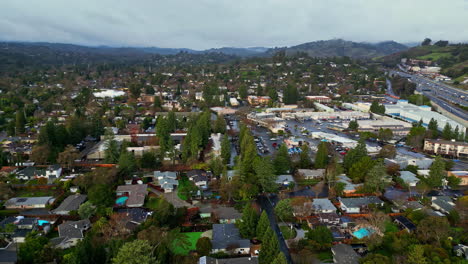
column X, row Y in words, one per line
column 201, row 24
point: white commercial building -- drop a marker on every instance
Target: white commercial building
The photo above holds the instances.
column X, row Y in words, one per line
column 414, row 113
column 309, row 115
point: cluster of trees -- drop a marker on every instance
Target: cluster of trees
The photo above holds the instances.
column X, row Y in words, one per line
column 418, row 133
column 377, row 108
column 254, row 226
column 291, row 94
column 198, row 134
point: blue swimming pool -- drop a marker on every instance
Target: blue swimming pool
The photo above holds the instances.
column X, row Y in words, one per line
column 363, row 232
column 42, row 222
column 121, row 200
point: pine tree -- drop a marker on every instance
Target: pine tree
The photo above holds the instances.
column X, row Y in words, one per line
column 265, row 175
column 280, row 259
column 436, row 173
column 270, row 247
column 226, row 149
column 304, row 158
column 375, row 179
column 353, row 125
column 282, row 161
column 433, row 127
column 248, row 224
column 354, row 155
column 20, row 122
column 447, row 132
column 262, row 225
column 321, row 158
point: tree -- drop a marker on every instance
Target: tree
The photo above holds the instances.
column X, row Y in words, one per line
column 333, row 170
column 453, row 181
column 270, row 247
column 433, row 229
column 302, row 206
column 20, row 122
column 112, row 152
column 360, row 169
column 127, row 163
column 135, row 252
column 243, row 91
column 216, row 166
column 86, row 210
column 385, row 134
column 387, row 151
column 447, row 133
column 376, row 178
column 339, row 188
column 101, row 195
column 265, row 174
column 291, row 95
column 321, row 157
column 433, row 128
column 67, row 157
column 150, row 160
column 262, row 225
column 220, row 125
column 416, row 255
column 203, row 246
column 353, row 125
column 284, row 210
column 282, row 161
column 416, row 136
column 441, row 43
column 321, row 236
column 304, row 157
column 436, row 173
column 35, row 249
column 40, row 154
column 226, row 149
column 354, row 155
column 280, row 259
column 375, row 258
column 248, row 224
column 377, row 108
column 426, row 42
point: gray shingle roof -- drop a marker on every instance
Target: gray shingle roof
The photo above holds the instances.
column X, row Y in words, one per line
column 73, row 229
column 344, row 254
column 225, row 235
column 360, row 201
column 70, row 203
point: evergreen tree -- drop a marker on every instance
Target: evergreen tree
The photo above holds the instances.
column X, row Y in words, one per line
column 248, row 224
column 304, row 158
column 321, row 157
column 171, row 121
column 280, row 259
column 353, row 125
column 265, row 175
column 270, row 247
column 456, row 133
column 416, row 136
column 243, row 91
column 127, row 163
column 433, row 128
column 416, row 255
column 436, row 173
column 376, row 178
column 282, row 161
column 354, row 155
column 447, row 132
column 20, row 122
column 359, row 170
column 377, row 108
column 226, row 149
column 220, row 125
column 247, row 158
column 263, row 224
column 135, row 252
column 112, row 152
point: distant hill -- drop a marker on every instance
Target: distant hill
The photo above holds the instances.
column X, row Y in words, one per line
column 339, row 48
column 452, row 58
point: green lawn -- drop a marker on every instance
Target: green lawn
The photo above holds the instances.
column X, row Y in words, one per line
column 152, row 203
column 325, row 255
column 435, row 56
column 287, row 232
column 192, row 237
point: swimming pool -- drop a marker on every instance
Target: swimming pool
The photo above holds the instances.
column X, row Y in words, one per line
column 363, row 232
column 121, row 200
column 42, row 222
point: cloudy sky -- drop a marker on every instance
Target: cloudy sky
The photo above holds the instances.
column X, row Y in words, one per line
column 201, row 24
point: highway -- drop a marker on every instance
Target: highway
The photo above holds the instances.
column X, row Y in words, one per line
column 442, row 94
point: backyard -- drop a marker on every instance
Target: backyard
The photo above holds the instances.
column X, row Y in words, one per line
column 186, row 188
column 192, row 237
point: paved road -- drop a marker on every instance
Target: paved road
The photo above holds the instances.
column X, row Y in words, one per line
column 440, row 93
column 266, row 204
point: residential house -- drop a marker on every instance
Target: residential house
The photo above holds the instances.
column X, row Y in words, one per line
column 224, row 214
column 443, row 204
column 22, row 227
column 71, row 203
column 349, row 187
column 243, row 260
column 70, row 233
column 359, row 204
column 28, row 202
column 200, row 178
column 30, row 173
column 461, row 251
column 329, row 218
column 344, row 254
column 323, row 206
column 134, row 216
column 409, row 178
column 311, row 174
column 284, row 180
column 167, row 180
column 463, row 175
column 446, row 147
column 405, row 223
column 226, row 238
column 135, row 194
column 53, row 171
